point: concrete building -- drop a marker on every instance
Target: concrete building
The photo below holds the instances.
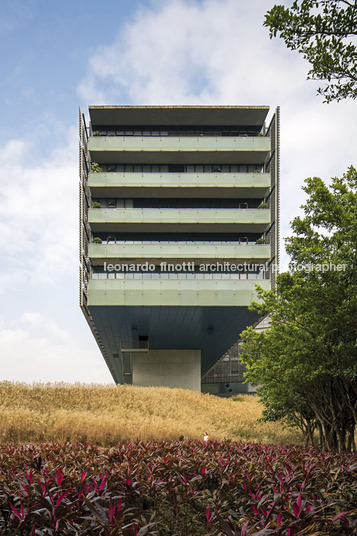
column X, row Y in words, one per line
column 178, row 221
column 226, row 377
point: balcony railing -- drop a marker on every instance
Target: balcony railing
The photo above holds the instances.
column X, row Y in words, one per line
column 173, row 292
column 159, row 150
column 179, row 220
column 171, row 252
column 180, row 143
column 178, row 185
column 117, row 131
column 180, row 276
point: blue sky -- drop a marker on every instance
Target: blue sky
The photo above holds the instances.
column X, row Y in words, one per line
column 59, row 56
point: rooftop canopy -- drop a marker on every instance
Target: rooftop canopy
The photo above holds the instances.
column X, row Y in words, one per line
column 178, row 115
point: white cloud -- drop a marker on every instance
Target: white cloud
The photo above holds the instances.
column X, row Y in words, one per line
column 39, row 201
column 185, row 52
column 36, row 348
column 35, row 320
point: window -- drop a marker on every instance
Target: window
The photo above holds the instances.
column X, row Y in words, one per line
column 176, row 168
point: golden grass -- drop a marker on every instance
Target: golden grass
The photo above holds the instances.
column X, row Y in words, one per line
column 107, row 414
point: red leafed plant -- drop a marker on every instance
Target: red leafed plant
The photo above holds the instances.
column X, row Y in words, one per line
column 176, row 488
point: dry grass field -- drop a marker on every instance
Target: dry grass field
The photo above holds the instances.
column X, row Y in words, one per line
column 106, row 415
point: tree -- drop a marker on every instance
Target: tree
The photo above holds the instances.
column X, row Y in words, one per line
column 306, row 362
column 324, row 31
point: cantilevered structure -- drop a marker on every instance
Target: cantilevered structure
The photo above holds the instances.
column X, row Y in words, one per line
column 178, row 221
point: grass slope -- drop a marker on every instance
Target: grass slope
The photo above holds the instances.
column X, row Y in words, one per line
column 107, row 415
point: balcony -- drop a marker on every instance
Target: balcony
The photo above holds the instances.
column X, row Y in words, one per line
column 180, row 149
column 179, row 220
column 238, row 185
column 173, row 292
column 177, row 253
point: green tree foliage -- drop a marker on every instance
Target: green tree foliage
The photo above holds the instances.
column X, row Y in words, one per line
column 306, row 363
column 324, row 31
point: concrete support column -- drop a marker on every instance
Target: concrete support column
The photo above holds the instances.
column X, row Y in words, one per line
column 168, row 368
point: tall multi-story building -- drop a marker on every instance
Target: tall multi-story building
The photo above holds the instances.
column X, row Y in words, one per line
column 178, row 222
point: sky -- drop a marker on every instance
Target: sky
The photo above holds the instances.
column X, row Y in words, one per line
column 57, row 57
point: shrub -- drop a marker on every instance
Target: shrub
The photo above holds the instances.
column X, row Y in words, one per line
column 176, row 488
column 95, row 167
